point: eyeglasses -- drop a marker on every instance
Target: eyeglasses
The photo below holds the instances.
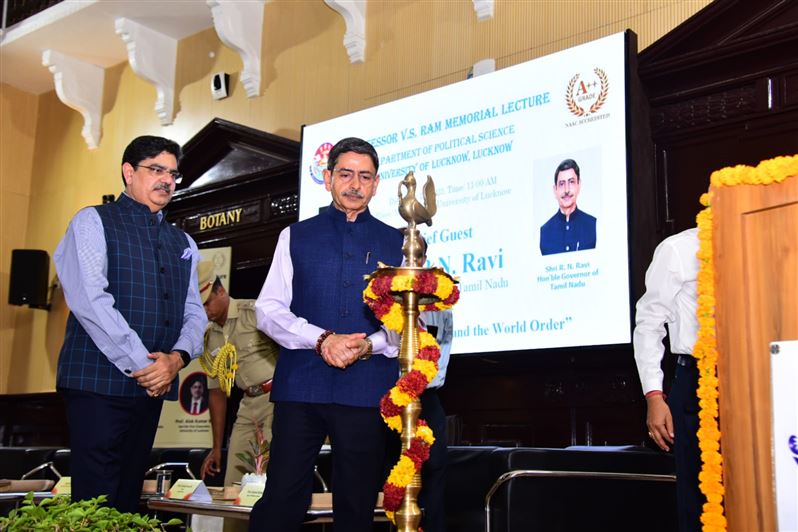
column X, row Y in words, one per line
column 346, row 175
column 160, row 171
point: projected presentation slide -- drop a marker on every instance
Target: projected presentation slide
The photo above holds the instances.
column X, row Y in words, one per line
column 529, row 166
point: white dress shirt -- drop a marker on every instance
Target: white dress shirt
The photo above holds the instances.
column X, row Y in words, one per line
column 443, row 321
column 670, row 298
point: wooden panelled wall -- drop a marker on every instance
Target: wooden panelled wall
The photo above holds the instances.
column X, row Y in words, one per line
column 723, row 91
column 413, row 46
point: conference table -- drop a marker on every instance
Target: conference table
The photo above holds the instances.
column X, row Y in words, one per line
column 320, row 510
column 13, row 492
column 19, row 496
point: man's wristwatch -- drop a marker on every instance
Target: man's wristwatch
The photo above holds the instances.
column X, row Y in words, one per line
column 185, row 356
column 369, row 349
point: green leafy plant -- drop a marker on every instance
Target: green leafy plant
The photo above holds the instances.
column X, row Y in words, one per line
column 258, row 455
column 58, row 514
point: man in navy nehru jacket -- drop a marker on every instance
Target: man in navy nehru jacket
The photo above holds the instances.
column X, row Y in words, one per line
column 336, row 361
column 569, row 229
column 136, row 319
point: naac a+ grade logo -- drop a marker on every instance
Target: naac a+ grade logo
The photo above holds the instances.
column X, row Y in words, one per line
column 585, row 96
column 319, row 163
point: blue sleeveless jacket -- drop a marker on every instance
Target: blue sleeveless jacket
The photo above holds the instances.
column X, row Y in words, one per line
column 149, row 282
column 330, row 256
column 559, row 236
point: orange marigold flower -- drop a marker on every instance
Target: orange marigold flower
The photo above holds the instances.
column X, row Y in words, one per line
column 399, row 397
column 403, row 472
column 402, row 283
column 425, row 433
column 425, row 339
column 394, row 319
column 427, row 367
column 445, row 287
column 394, row 423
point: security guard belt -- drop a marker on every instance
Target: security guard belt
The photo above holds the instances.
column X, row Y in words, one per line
column 259, row 389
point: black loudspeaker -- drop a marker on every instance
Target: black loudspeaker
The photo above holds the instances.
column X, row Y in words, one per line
column 29, row 271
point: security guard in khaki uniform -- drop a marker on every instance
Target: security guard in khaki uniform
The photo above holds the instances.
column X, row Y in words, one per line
column 233, row 321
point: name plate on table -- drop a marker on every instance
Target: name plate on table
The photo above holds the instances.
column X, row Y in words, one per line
column 63, row 486
column 250, row 494
column 321, row 501
column 189, row 490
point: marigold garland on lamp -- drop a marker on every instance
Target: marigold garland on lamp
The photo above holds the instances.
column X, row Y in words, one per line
column 435, row 283
column 418, row 289
column 705, row 351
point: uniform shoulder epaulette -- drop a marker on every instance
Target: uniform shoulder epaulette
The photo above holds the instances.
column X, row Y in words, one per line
column 246, row 304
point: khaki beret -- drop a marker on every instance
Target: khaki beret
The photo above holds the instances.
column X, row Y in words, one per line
column 206, row 275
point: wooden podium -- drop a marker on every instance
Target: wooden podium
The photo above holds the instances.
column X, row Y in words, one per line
column 755, row 236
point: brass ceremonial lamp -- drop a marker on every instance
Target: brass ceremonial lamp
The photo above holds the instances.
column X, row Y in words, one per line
column 408, row 515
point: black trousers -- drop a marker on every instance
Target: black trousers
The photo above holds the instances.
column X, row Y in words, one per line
column 433, row 473
column 683, row 402
column 110, row 441
column 357, row 436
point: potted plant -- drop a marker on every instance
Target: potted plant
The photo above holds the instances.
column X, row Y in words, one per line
column 59, row 514
column 256, row 458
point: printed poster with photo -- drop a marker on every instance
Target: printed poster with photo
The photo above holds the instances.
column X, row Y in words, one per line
column 187, row 422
